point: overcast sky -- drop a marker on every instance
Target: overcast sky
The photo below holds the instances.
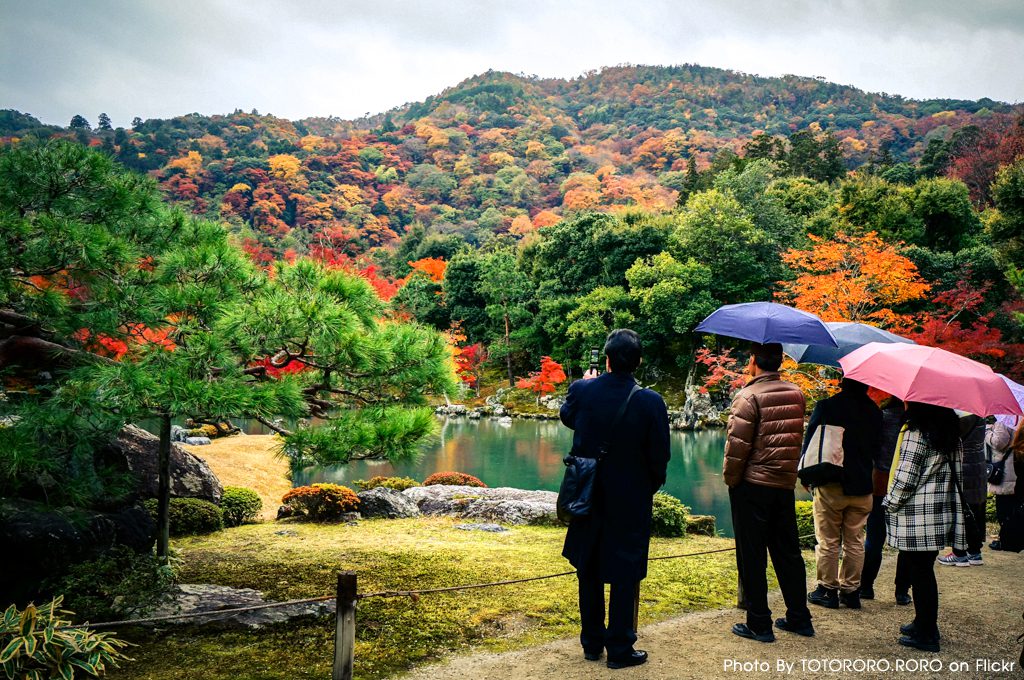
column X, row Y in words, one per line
column 298, row 58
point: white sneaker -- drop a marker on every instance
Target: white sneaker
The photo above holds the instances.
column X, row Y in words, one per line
column 975, row 560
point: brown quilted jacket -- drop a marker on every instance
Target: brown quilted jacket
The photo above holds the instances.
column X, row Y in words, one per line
column 765, row 433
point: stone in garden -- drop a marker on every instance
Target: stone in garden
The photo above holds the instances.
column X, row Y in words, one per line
column 135, row 452
column 492, row 528
column 286, row 532
column 286, row 511
column 197, row 441
column 703, row 525
column 40, row 543
column 206, row 599
column 386, row 503
column 178, row 433
column 503, row 505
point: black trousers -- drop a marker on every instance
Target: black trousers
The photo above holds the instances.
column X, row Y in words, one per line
column 903, row 580
column 921, row 571
column 764, row 521
column 975, row 529
column 618, row 636
column 874, row 541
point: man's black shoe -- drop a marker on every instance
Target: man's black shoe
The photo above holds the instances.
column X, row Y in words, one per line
column 867, row 593
column 806, row 630
column 911, row 630
column 744, row 632
column 591, row 656
column 924, row 644
column 825, row 597
column 995, row 545
column 903, row 599
column 635, row 659
column 851, row 599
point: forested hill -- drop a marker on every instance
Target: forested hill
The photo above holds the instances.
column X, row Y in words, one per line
column 505, row 153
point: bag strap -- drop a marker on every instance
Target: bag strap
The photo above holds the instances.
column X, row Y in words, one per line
column 968, row 513
column 622, row 410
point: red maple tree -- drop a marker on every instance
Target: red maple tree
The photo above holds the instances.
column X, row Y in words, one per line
column 543, row 381
column 469, row 363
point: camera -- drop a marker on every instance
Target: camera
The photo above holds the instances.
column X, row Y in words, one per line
column 595, row 359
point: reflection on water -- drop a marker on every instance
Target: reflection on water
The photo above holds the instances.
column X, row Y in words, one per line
column 527, row 454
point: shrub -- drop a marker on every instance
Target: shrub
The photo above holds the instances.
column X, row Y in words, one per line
column 990, row 509
column 669, row 516
column 396, row 483
column 32, row 647
column 189, row 516
column 453, row 479
column 117, row 584
column 322, row 501
column 805, row 523
column 239, row 505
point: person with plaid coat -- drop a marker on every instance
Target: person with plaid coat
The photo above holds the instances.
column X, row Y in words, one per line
column 923, row 510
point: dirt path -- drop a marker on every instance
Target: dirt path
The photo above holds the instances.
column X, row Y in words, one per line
column 979, row 616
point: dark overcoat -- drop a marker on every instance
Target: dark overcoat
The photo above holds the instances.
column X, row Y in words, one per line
column 615, row 538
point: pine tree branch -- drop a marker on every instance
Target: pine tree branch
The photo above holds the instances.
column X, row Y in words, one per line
column 276, row 428
column 15, row 349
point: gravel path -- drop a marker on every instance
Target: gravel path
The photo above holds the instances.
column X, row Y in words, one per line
column 980, row 616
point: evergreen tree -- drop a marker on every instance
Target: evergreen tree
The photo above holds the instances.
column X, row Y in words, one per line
column 79, row 123
column 103, row 122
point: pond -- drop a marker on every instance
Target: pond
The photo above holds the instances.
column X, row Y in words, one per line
column 527, row 454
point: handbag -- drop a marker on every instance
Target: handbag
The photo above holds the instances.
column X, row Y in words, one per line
column 822, row 460
column 576, row 494
column 996, row 471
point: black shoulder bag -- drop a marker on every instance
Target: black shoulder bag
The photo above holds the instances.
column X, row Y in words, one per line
column 575, row 495
column 996, row 470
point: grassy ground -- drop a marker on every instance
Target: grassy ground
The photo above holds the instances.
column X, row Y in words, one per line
column 396, row 634
column 249, row 461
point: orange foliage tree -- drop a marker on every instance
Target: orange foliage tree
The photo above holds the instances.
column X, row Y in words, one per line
column 431, row 266
column 852, row 278
column 543, row 381
column 469, row 363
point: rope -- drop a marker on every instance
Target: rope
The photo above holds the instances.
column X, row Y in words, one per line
column 362, row 596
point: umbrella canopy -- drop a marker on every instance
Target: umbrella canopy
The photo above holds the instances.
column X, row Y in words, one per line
column 767, row 322
column 1018, row 393
column 849, row 335
column 932, row 376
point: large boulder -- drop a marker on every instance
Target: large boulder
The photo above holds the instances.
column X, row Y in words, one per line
column 41, row 543
column 137, row 452
column 201, row 602
column 504, row 505
column 386, row 503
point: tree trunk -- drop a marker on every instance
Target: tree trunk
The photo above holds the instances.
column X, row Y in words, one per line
column 508, row 353
column 164, row 490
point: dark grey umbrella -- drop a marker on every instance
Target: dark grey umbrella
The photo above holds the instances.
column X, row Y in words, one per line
column 766, row 322
column 849, row 335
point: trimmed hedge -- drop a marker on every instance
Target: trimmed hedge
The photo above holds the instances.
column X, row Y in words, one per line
column 240, row 505
column 453, row 479
column 805, row 523
column 322, row 501
column 190, row 516
column 396, row 483
column 670, row 516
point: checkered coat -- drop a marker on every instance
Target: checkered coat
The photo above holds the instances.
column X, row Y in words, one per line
column 923, row 509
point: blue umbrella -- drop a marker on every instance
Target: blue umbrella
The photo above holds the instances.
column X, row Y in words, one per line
column 767, row 322
column 849, row 335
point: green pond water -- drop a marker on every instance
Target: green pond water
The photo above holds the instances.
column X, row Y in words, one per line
column 527, row 454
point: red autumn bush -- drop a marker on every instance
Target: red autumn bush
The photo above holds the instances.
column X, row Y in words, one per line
column 322, row 501
column 453, row 479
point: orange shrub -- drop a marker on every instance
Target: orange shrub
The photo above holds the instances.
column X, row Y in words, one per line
column 322, row 501
column 453, row 479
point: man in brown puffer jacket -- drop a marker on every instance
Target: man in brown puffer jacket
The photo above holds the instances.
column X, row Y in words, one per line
column 762, row 452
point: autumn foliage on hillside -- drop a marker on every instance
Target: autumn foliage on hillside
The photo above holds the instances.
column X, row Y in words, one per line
column 543, row 381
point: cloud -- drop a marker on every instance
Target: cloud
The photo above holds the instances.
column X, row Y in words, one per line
column 329, row 57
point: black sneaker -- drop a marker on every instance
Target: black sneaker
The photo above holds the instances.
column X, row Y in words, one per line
column 824, row 597
column 807, row 630
column 995, row 545
column 911, row 630
column 744, row 632
column 867, row 592
column 591, row 656
column 850, row 599
column 903, row 599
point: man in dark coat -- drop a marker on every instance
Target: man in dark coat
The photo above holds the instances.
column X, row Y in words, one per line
column 610, row 545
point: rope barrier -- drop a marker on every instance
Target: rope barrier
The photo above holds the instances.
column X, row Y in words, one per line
column 363, row 596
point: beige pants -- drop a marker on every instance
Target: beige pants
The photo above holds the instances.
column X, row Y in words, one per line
column 839, row 520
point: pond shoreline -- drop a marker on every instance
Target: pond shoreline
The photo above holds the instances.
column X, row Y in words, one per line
column 679, row 420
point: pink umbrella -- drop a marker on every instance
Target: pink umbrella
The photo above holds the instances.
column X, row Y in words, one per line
column 932, row 376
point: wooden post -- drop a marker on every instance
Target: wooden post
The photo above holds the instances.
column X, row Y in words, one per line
column 345, row 627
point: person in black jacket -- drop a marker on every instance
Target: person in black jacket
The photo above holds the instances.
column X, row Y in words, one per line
column 843, row 502
column 611, row 544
